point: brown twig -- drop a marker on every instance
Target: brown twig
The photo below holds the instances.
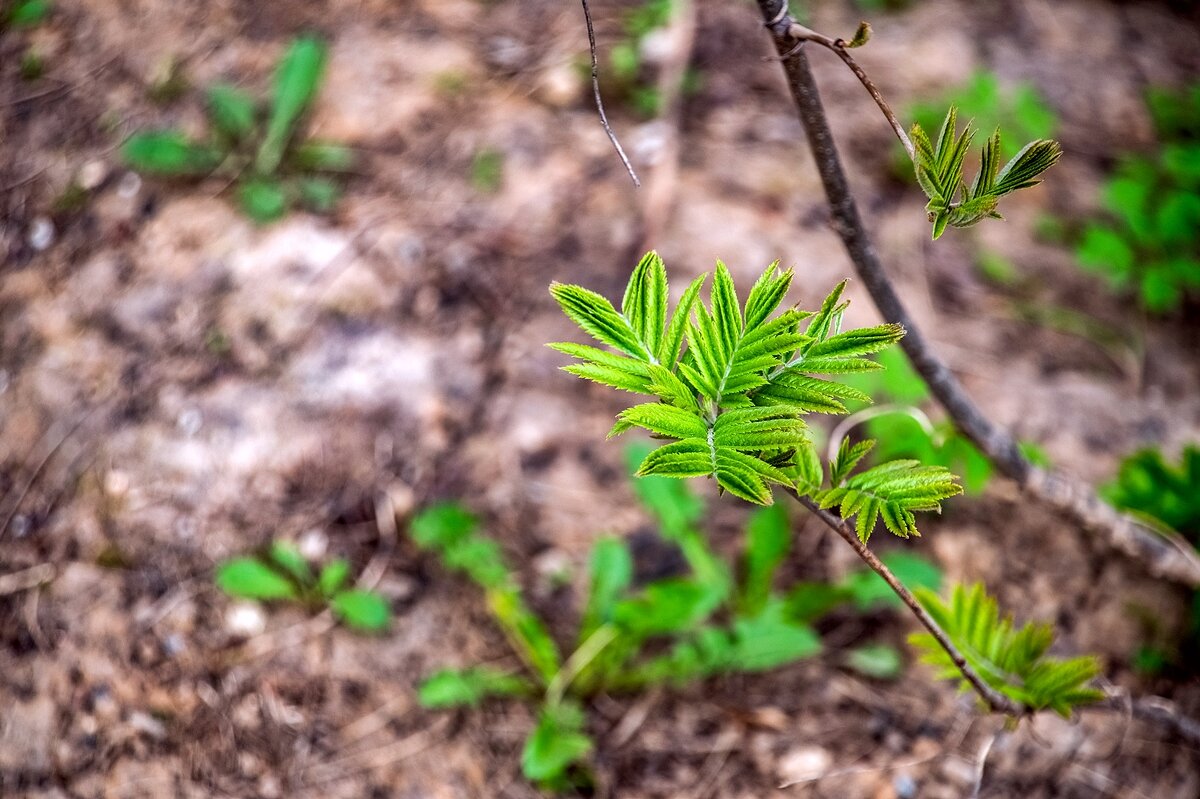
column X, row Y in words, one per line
column 803, row 34
column 995, row 700
column 1161, row 555
column 612, row 137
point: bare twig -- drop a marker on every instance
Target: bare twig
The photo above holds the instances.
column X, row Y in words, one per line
column 1161, row 556
column 612, row 137
column 995, row 700
column 802, row 34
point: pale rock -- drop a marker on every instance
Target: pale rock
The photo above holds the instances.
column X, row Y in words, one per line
column 804, row 763
column 245, row 619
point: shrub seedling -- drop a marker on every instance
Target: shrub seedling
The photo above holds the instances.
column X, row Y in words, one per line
column 283, row 573
column 1167, row 496
column 731, row 408
column 256, row 148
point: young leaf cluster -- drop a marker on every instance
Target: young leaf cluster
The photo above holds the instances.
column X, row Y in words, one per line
column 283, row 573
column 1011, row 659
column 732, row 382
column 1147, row 243
column 1164, row 493
column 940, row 172
column 256, row 147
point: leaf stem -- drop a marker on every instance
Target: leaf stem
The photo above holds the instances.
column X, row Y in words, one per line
column 595, row 643
column 995, row 700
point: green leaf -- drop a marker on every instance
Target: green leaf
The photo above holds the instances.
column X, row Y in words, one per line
column 525, row 631
column 288, row 557
column 232, row 111
column 809, row 601
column 665, row 606
column 1011, row 660
column 610, row 571
column 770, row 640
column 861, row 36
column 672, row 341
column 333, row 577
column 599, row 319
column 362, row 610
column 556, row 744
column 879, row 661
column 296, row 80
column 316, row 156
column 671, row 502
column 250, row 578
column 442, row 525
column 169, row 153
column 263, row 200
column 28, row 13
column 645, row 302
column 847, row 458
column 768, row 538
column 892, row 491
column 470, row 687
column 319, row 194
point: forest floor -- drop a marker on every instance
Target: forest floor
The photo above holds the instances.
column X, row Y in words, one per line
column 178, row 385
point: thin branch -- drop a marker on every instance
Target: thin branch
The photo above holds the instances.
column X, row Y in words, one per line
column 612, row 137
column 995, row 700
column 1162, row 556
column 803, row 34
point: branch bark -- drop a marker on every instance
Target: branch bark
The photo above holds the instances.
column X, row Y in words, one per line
column 1161, row 555
column 995, row 700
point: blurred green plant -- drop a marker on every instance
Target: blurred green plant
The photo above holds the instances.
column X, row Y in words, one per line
column 283, row 573
column 25, row 13
column 630, row 77
column 1020, row 108
column 1160, row 492
column 256, row 147
column 1167, row 496
column 904, row 431
column 1147, row 243
column 1011, row 659
column 668, row 631
column 487, row 170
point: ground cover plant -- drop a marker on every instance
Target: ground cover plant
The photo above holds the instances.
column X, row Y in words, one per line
column 282, row 573
column 257, row 148
column 715, row 618
column 1166, row 495
column 1147, row 243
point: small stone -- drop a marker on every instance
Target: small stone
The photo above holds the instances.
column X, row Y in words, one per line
column 92, row 174
column 402, row 497
column 130, row 185
column 245, row 619
column 116, row 483
column 313, row 544
column 804, row 763
column 147, row 725
column 41, row 233
column 190, row 421
column 904, row 786
column 560, row 86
